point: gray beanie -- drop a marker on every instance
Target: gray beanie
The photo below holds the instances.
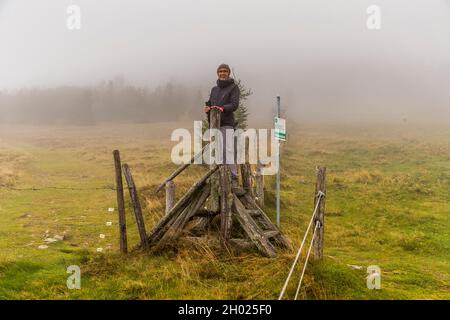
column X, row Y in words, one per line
column 224, row 66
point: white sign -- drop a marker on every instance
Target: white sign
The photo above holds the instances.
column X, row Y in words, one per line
column 280, row 129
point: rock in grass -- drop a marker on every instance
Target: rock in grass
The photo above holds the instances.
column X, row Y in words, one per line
column 355, row 267
column 42, row 246
column 50, row 240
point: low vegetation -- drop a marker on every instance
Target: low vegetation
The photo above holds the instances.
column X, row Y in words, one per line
column 388, row 204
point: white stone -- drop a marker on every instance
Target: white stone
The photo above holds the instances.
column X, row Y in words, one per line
column 355, row 267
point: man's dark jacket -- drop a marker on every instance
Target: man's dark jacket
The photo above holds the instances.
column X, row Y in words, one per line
column 226, row 95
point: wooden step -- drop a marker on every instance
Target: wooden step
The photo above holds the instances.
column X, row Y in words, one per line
column 238, row 191
column 254, row 212
column 271, row 233
column 252, row 230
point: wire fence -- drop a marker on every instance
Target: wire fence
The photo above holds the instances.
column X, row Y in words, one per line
column 40, row 250
column 314, row 218
column 5, row 187
column 320, row 195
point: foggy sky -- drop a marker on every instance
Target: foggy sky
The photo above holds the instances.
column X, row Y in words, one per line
column 317, row 54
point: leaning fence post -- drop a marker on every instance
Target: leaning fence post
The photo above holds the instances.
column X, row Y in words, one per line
column 320, row 215
column 170, row 195
column 136, row 206
column 120, row 203
column 259, row 185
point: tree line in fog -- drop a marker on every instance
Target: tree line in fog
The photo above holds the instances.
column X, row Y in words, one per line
column 111, row 101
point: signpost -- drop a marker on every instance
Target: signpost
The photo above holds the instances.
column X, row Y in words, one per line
column 280, row 129
column 280, row 134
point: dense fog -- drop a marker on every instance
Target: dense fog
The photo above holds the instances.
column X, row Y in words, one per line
column 146, row 61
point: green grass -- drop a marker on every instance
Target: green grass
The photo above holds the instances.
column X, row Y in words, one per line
column 388, row 204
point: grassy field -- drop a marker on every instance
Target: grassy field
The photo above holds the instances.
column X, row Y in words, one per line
column 388, row 204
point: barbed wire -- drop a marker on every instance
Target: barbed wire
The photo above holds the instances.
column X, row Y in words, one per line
column 40, row 252
column 5, row 187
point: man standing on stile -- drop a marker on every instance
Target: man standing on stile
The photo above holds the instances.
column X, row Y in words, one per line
column 225, row 97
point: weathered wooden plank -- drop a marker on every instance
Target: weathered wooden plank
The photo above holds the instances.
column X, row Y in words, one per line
column 252, row 230
column 170, row 195
column 320, row 215
column 179, row 206
column 247, row 177
column 213, row 200
column 181, row 169
column 174, row 230
column 204, row 213
column 120, row 202
column 200, row 225
column 271, row 233
column 136, row 205
column 226, row 200
column 259, row 185
column 265, row 221
column 167, row 231
column 253, row 212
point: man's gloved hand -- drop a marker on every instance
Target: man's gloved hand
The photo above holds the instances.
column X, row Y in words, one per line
column 207, row 109
column 218, row 108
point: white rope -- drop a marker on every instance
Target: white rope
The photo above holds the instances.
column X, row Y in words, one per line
column 306, row 260
column 320, row 194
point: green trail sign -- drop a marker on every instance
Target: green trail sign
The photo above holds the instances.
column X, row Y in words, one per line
column 280, row 129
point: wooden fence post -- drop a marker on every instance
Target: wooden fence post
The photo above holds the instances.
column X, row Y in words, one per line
column 226, row 201
column 213, row 200
column 170, row 195
column 120, row 203
column 320, row 214
column 246, row 177
column 259, row 188
column 136, row 206
column 246, row 172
